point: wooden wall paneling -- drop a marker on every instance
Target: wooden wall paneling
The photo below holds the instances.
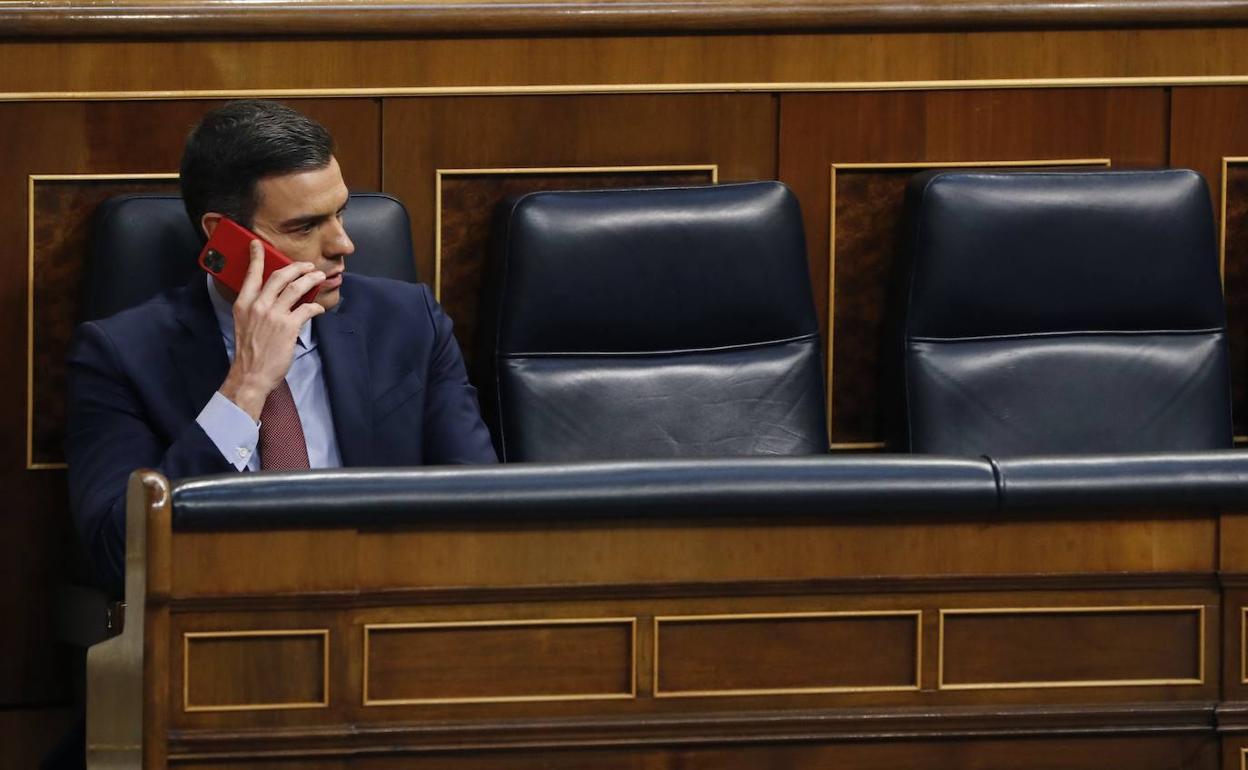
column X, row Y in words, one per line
column 396, row 65
column 927, row 128
column 1207, row 135
column 76, row 138
column 681, row 138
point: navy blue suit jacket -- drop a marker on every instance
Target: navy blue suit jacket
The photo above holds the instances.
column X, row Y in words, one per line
column 397, row 388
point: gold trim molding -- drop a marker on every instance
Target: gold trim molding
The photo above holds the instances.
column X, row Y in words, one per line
column 322, row 633
column 631, row 694
column 915, row 166
column 673, row 619
column 441, row 173
column 1199, row 609
column 31, row 180
column 1243, row 645
column 628, row 88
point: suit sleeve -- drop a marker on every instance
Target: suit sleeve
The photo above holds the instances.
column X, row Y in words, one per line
column 453, row 430
column 109, row 436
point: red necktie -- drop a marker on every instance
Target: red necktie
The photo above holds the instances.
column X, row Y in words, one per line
column 282, row 445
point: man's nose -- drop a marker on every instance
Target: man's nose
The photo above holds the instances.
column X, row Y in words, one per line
column 340, row 244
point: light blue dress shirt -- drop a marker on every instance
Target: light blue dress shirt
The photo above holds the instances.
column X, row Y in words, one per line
column 233, row 431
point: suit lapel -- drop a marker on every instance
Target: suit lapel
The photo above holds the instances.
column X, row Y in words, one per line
column 199, row 353
column 344, row 362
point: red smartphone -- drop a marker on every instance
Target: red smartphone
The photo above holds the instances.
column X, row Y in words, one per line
column 228, row 252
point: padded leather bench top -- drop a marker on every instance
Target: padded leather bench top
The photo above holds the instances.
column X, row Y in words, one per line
column 820, row 486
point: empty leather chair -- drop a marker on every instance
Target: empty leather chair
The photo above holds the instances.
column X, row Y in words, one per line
column 143, row 244
column 1064, row 312
column 652, row 323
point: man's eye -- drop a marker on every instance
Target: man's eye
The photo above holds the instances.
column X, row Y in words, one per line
column 306, row 227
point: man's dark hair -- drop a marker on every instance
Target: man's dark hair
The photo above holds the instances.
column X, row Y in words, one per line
column 240, row 143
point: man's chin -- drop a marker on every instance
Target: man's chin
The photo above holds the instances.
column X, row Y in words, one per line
column 329, row 299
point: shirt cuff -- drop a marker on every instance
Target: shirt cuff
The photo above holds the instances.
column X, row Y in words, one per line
column 231, row 429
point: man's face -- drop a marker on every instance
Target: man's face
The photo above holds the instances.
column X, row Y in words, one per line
column 301, row 214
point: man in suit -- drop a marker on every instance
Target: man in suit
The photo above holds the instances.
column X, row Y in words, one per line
column 204, row 380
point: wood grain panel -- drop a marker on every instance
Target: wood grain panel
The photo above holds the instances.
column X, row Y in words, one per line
column 1128, row 127
column 535, row 660
column 255, row 670
column 649, row 552
column 1083, row 647
column 1234, row 265
column 231, row 65
column 1205, row 131
column 466, row 201
column 778, row 654
column 59, row 242
column 736, row 133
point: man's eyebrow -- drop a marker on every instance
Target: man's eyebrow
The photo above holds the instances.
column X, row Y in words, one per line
column 309, row 219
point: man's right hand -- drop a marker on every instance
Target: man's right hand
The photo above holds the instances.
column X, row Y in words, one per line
column 266, row 326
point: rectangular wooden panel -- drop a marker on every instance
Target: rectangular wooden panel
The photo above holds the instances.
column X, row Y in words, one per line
column 1207, row 135
column 787, row 653
column 499, row 661
column 1071, row 647
column 255, row 670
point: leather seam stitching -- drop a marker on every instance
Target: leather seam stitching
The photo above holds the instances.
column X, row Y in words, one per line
column 812, row 336
column 1088, row 333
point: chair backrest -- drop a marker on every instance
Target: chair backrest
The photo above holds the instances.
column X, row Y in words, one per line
column 144, row 244
column 652, row 323
column 1064, row 312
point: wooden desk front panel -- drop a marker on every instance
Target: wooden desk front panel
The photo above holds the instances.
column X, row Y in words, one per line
column 568, row 672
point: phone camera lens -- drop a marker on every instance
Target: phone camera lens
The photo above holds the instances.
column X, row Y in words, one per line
column 214, row 260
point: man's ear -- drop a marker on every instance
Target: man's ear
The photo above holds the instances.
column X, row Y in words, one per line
column 209, row 221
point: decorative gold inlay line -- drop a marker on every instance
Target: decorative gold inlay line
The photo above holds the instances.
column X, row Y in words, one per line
column 31, row 180
column 1045, row 684
column 915, row 165
column 441, row 173
column 1243, row 645
column 674, row 619
column 629, row 88
column 631, row 622
column 322, row 633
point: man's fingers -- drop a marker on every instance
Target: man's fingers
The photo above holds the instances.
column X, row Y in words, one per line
column 255, row 271
column 299, row 287
column 307, row 311
column 282, row 278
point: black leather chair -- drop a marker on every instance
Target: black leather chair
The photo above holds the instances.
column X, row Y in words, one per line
column 1064, row 312
column 651, row 323
column 143, row 244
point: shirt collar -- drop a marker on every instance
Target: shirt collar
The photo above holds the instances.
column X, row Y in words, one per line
column 224, row 311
